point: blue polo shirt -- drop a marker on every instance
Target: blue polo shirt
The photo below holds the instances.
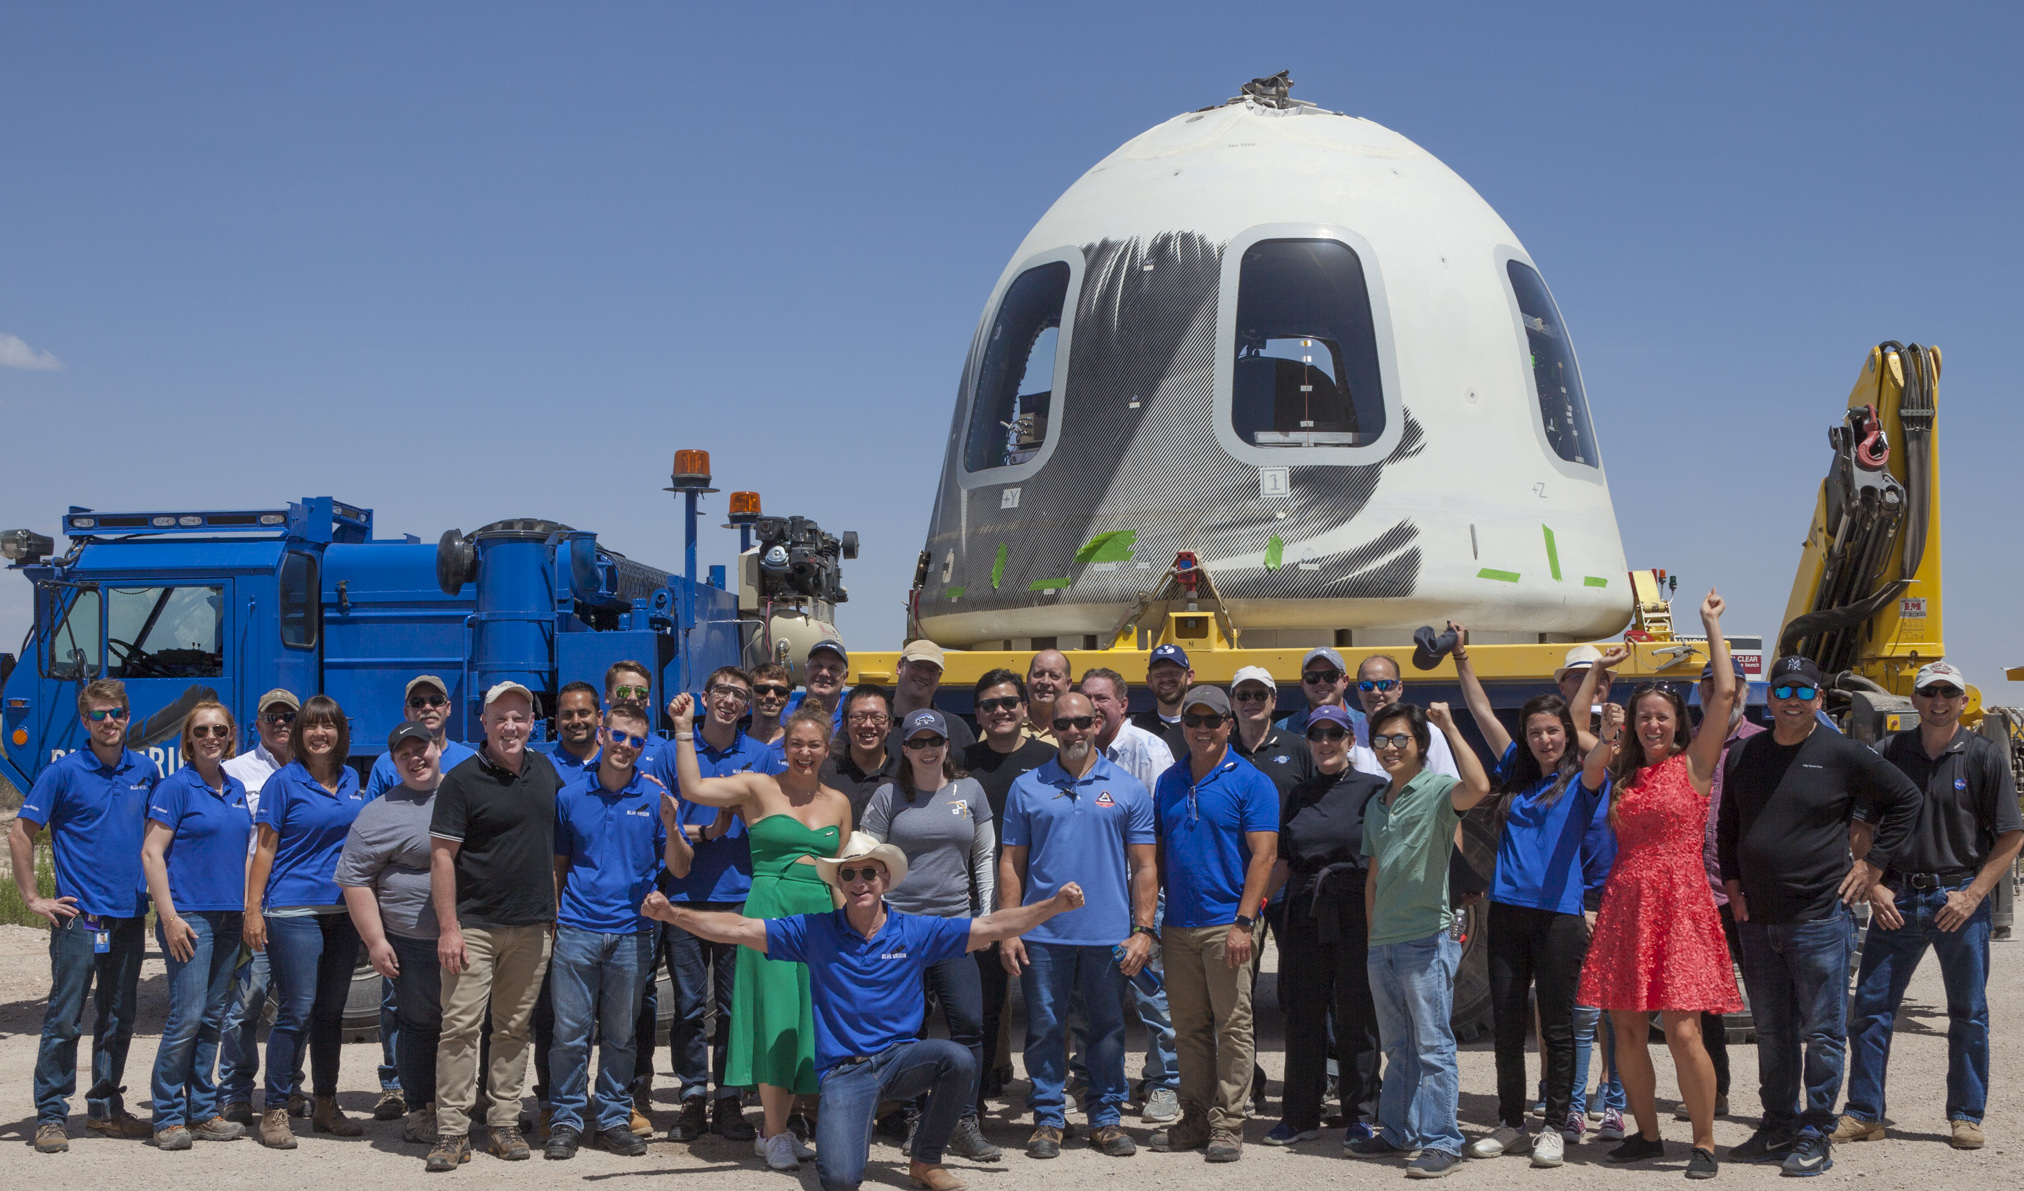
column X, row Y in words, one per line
column 207, row 857
column 722, row 869
column 1076, row 829
column 867, row 992
column 613, row 841
column 1540, row 859
column 96, row 815
column 311, row 823
column 385, row 777
column 1202, row 827
column 569, row 768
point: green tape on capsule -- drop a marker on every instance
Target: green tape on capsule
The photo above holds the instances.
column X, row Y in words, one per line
column 1552, row 553
column 998, row 566
column 1499, row 576
column 1275, row 553
column 1048, row 584
column 1594, row 581
column 1110, row 546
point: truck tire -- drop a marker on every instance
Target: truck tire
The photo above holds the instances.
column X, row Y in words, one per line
column 1471, row 1013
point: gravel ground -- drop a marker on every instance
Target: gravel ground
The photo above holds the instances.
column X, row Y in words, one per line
column 1916, row 1154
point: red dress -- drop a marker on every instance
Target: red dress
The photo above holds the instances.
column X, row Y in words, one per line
column 1658, row 939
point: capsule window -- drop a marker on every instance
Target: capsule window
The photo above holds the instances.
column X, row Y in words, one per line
column 1013, row 401
column 1556, row 382
column 1306, row 369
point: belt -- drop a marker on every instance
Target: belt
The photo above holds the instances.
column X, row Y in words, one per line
column 1948, row 876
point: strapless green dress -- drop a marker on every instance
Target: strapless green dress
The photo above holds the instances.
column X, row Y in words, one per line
column 772, row 1016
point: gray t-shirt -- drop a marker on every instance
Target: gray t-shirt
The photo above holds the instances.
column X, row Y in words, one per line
column 388, row 850
column 950, row 842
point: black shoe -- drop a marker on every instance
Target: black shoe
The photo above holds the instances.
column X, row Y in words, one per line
column 620, row 1139
column 892, row 1126
column 727, row 1120
column 1811, row 1154
column 693, row 1123
column 801, row 1127
column 239, row 1112
column 1702, row 1165
column 562, row 1143
column 1770, row 1143
column 968, row 1142
column 1636, row 1149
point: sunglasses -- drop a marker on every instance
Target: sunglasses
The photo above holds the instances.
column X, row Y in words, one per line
column 1081, row 723
column 283, row 716
column 1253, row 696
column 625, row 739
column 1002, row 703
column 870, row 719
column 1940, row 692
column 1377, row 684
column 1211, row 721
column 106, row 713
column 845, row 876
column 427, row 701
column 926, row 742
column 621, row 694
column 1327, row 734
column 1397, row 740
column 736, row 694
column 1321, row 677
column 201, row 731
column 1793, row 692
column 772, row 688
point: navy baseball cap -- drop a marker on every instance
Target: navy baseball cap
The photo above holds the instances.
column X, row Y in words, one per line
column 1793, row 670
column 1170, row 653
column 925, row 720
column 1330, row 714
column 1708, row 671
column 832, row 645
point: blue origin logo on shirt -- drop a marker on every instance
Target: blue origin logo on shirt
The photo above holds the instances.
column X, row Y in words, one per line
column 642, row 812
column 894, row 955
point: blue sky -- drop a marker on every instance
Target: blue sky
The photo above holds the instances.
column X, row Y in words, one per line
column 458, row 263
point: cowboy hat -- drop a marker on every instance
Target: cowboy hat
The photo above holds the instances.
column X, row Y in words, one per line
column 1581, row 657
column 863, row 847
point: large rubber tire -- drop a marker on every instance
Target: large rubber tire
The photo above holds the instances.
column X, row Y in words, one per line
column 1471, row 1014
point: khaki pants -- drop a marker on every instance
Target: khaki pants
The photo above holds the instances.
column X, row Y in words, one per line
column 1211, row 1006
column 507, row 964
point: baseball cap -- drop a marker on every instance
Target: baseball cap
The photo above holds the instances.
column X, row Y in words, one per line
column 427, row 680
column 1794, row 670
column 1170, row 653
column 920, row 649
column 1581, row 657
column 1330, row 714
column 407, row 730
column 926, row 719
column 1211, row 697
column 278, row 695
column 1708, row 671
column 1935, row 673
column 506, row 688
column 1326, row 654
column 1429, row 647
column 1253, row 674
column 832, row 645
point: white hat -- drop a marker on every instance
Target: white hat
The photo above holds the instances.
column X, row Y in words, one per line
column 1253, row 674
column 1937, row 672
column 507, row 688
column 1581, row 657
column 861, row 846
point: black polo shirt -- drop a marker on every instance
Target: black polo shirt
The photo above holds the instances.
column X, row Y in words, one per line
column 996, row 771
column 1177, row 740
column 504, row 824
column 1970, row 799
column 841, row 772
column 1280, row 755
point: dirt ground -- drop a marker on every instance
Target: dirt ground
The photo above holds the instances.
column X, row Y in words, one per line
column 1916, row 1154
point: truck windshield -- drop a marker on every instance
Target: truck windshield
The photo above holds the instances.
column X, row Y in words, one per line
column 164, row 632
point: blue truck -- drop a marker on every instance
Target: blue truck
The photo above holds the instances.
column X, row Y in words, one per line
column 182, row 605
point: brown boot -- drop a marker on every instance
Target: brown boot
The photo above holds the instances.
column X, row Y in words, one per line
column 1225, row 1145
column 934, row 1178
column 274, row 1131
column 120, row 1124
column 1191, row 1132
column 326, row 1117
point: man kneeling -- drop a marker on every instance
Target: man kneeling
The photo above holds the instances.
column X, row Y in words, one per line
column 864, row 974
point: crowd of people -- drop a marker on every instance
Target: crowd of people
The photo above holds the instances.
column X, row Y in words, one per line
column 817, row 870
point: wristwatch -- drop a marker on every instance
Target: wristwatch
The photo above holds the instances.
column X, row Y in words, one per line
column 1147, row 931
column 1246, row 921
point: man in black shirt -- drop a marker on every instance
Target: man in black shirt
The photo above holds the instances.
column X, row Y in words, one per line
column 1788, row 800
column 996, row 761
column 1278, row 753
column 492, row 879
column 1935, row 892
column 1169, row 675
column 859, row 761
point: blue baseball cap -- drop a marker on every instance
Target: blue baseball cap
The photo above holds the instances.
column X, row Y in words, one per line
column 1169, row 653
column 1330, row 714
column 1708, row 671
column 926, row 719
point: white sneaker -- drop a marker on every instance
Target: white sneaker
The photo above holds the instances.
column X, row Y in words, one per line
column 801, row 1149
column 1546, row 1148
column 1504, row 1139
column 780, row 1153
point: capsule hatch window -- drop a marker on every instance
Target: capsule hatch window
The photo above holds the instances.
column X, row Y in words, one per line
column 1306, row 371
column 1556, row 381
column 1013, row 403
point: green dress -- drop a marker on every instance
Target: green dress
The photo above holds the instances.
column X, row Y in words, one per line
column 772, row 1016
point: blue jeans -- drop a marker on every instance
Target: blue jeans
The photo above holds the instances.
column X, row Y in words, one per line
column 114, row 981
column 239, row 1037
column 1608, row 1089
column 1797, row 975
column 1059, row 979
column 198, row 989
column 700, row 971
column 311, row 959
column 1162, row 1069
column 1888, row 959
column 595, row 978
column 1412, row 986
column 851, row 1091
column 390, row 1033
column 419, row 1001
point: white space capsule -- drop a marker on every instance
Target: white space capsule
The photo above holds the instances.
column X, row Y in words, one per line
column 1294, row 343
